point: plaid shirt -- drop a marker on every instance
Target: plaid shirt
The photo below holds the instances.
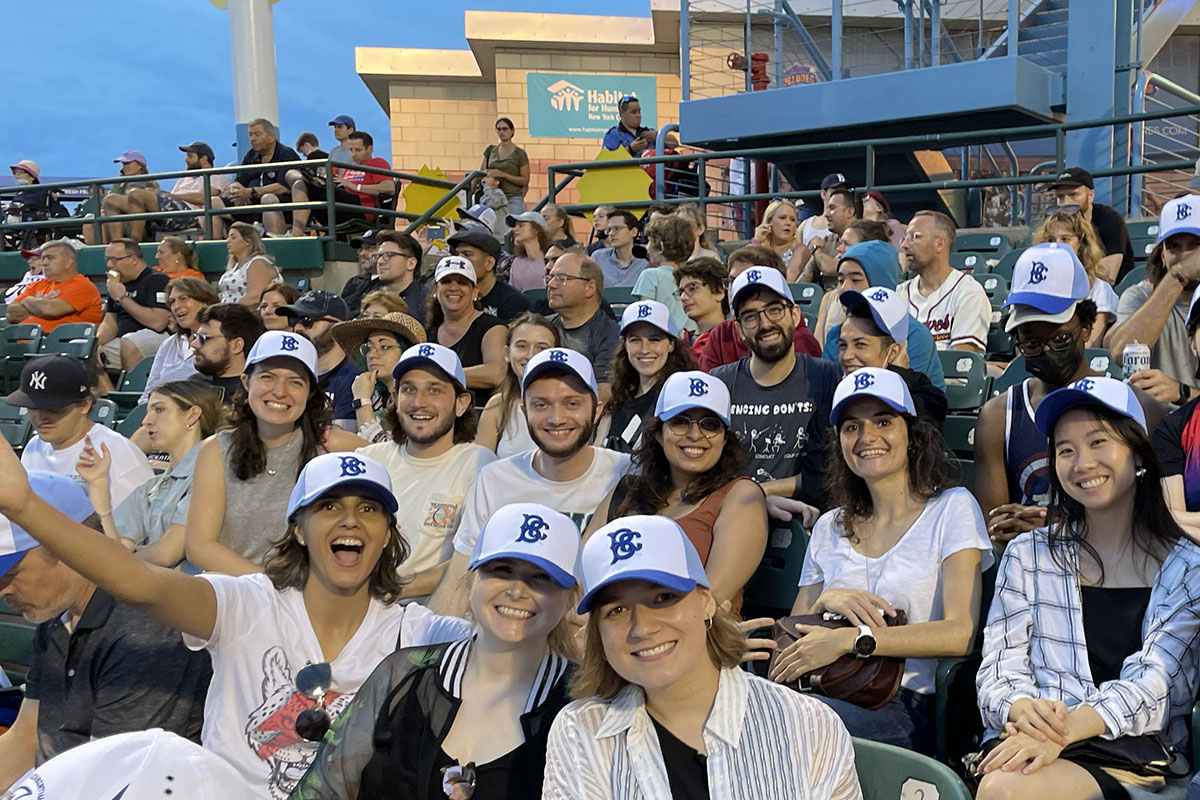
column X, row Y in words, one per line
column 1034, row 643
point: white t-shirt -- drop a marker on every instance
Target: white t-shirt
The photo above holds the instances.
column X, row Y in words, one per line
column 515, row 438
column 908, row 576
column 194, row 184
column 957, row 312
column 514, row 480
column 261, row 639
column 431, row 492
column 1105, row 297
column 130, row 469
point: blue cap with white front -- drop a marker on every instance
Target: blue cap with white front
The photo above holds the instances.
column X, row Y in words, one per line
column 284, row 344
column 690, row 389
column 341, row 470
column 560, row 359
column 651, row 312
column 1048, row 281
column 428, row 354
column 534, row 533
column 60, row 491
column 887, row 310
column 1181, row 215
column 642, row 547
column 754, row 278
column 882, row 384
column 1104, row 391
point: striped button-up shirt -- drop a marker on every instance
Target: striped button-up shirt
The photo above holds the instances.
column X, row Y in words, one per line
column 1034, row 644
column 763, row 741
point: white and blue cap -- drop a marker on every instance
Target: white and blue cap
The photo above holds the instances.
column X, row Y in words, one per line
column 428, row 354
column 1181, row 215
column 284, row 344
column 882, row 384
column 651, row 312
column 756, row 277
column 560, row 359
column 530, row 532
column 643, row 547
column 887, row 309
column 690, row 389
column 60, row 491
column 1103, row 391
column 341, row 470
column 1048, row 281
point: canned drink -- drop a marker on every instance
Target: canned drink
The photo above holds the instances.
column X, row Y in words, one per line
column 1135, row 358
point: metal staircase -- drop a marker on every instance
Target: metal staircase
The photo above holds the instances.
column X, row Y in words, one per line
column 1041, row 36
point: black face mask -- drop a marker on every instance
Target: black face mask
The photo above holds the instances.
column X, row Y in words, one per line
column 1055, row 367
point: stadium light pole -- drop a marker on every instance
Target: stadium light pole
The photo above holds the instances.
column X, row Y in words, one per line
column 252, row 51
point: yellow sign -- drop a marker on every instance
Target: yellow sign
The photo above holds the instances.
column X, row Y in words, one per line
column 616, row 185
column 419, row 197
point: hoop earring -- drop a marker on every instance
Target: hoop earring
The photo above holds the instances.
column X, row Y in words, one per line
column 708, row 623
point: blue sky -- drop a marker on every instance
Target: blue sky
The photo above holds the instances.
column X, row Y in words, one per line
column 91, row 79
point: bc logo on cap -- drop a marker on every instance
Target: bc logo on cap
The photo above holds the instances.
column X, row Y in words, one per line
column 1182, row 212
column 623, row 544
column 1085, row 384
column 37, row 380
column 754, row 276
column 425, row 351
column 289, row 343
column 558, row 355
column 879, row 296
column 644, row 310
column 352, row 466
column 697, row 387
column 862, row 380
column 1037, row 272
column 531, row 529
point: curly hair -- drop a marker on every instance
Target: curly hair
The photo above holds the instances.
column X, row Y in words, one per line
column 287, row 564
column 928, row 473
column 1090, row 251
column 673, row 236
column 248, row 454
column 649, row 488
column 465, row 426
column 626, row 380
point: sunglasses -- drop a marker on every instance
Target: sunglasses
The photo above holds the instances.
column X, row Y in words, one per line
column 1070, row 209
column 313, row 682
column 203, row 338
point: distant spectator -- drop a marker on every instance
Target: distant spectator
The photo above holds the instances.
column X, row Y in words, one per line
column 598, row 234
column 135, row 314
column 777, row 231
column 496, row 297
column 574, row 288
column 263, row 187
column 1075, row 188
column 397, row 259
column 34, row 201
column 656, row 210
column 56, row 390
column 456, row 322
column 222, row 337
column 877, row 209
column 276, row 295
column 61, row 296
column 815, row 225
column 703, row 288
column 176, row 259
column 530, row 241
column 33, row 272
column 502, row 424
column 842, row 209
column 1076, row 232
column 509, row 165
column 674, row 239
column 356, row 286
column 950, row 303
column 629, row 131
column 188, row 192
column 352, row 186
column 248, row 269
column 127, row 197
column 694, row 213
column 343, row 126
column 174, row 359
column 491, row 210
column 558, row 224
column 380, row 341
column 381, row 302
column 620, row 266
column 313, row 316
column 309, row 146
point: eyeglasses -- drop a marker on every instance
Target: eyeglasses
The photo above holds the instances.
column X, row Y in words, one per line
column 688, row 290
column 1070, row 209
column 308, row 322
column 117, row 260
column 912, row 236
column 611, row 229
column 387, row 256
column 313, row 682
column 773, row 312
column 368, row 347
column 1058, row 343
column 203, row 338
column 561, row 278
column 681, row 425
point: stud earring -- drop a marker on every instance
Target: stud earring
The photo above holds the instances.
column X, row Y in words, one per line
column 1140, row 472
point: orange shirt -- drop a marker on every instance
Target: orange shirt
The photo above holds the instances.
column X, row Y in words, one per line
column 77, row 290
column 183, row 273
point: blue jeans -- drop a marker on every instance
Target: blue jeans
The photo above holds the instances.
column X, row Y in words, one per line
column 516, row 205
column 906, row 721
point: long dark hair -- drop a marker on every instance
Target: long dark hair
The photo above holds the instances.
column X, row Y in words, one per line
column 435, row 316
column 248, row 454
column 510, row 387
column 1155, row 530
column 928, row 473
column 287, row 563
column 649, row 488
column 626, row 380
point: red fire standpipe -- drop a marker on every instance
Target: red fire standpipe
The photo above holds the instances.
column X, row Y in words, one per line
column 762, row 181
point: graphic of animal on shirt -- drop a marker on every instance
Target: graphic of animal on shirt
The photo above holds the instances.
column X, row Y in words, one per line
column 271, row 729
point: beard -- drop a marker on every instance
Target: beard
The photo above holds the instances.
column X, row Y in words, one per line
column 429, row 438
column 563, row 450
column 323, row 341
column 210, row 367
column 772, row 353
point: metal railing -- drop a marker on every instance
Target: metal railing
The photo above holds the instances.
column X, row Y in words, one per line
column 1170, row 138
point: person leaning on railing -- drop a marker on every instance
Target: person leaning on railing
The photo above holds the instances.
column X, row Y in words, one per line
column 266, row 186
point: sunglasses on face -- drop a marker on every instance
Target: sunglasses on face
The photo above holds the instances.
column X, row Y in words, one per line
column 681, row 426
column 203, row 338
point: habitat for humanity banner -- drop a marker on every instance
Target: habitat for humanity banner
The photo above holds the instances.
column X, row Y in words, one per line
column 585, row 106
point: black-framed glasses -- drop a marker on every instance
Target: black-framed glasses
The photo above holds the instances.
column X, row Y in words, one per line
column 688, row 290
column 774, row 312
column 117, row 259
column 681, row 426
column 308, row 322
column 1058, row 343
column 386, row 256
column 313, row 681
column 203, row 338
column 367, row 348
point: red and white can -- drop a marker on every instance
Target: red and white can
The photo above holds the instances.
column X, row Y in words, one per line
column 1135, row 358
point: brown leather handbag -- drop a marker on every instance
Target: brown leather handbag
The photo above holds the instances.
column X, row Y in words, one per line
column 867, row 682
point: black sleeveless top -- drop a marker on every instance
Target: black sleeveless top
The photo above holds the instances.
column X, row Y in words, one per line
column 1112, row 627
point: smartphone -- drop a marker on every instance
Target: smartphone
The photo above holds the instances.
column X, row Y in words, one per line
column 436, row 232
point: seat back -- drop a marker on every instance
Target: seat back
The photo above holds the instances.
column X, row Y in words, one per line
column 1004, row 268
column 75, row 339
column 807, row 296
column 134, row 380
column 966, row 379
column 104, row 412
column 132, row 421
column 969, row 262
column 773, row 584
column 887, row 772
column 983, row 242
column 995, row 286
column 1013, row 374
column 1134, row 277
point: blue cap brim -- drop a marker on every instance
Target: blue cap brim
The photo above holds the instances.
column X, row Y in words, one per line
column 834, row 415
column 563, row 578
column 1164, row 235
column 10, row 560
column 373, row 489
column 667, row 579
column 1046, row 303
column 1060, row 401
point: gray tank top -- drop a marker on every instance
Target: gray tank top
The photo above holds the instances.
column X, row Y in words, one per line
column 256, row 509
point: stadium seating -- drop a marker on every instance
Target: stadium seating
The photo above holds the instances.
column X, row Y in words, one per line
column 993, row 245
column 886, row 772
column 807, row 296
column 14, row 424
column 16, row 342
column 130, row 385
column 104, row 412
column 773, row 585
column 966, row 379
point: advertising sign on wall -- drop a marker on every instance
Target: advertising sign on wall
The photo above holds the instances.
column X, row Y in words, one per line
column 584, row 106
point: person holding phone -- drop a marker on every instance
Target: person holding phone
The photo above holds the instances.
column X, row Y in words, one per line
column 629, row 131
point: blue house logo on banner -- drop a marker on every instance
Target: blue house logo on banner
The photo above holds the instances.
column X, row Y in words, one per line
column 584, row 106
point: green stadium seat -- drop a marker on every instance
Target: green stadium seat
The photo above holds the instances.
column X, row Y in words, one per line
column 959, row 434
column 807, row 296
column 104, row 412
column 131, row 384
column 132, row 421
column 966, row 379
column 16, row 648
column 16, row 342
column 1142, row 228
column 999, row 343
column 15, row 425
column 996, row 287
column 1101, row 360
column 1007, row 261
column 970, row 262
column 887, row 772
column 1013, row 374
column 76, row 339
column 534, row 296
column 773, row 584
column 994, row 245
column 619, row 296
column 1135, row 276
column 962, row 471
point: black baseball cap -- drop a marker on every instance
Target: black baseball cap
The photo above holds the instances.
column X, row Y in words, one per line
column 317, row 304
column 477, row 239
column 368, row 239
column 200, row 149
column 49, row 383
column 834, row 180
column 1071, row 177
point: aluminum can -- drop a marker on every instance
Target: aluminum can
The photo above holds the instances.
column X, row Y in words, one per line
column 1135, row 358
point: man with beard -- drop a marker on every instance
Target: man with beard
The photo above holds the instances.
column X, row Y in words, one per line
column 781, row 398
column 432, row 455
column 313, row 317
column 842, row 209
column 222, row 336
column 560, row 401
column 1051, row 319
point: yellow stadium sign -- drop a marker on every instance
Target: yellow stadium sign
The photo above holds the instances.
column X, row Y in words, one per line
column 626, row 184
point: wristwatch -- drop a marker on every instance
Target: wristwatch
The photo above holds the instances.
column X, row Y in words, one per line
column 253, row 193
column 358, row 403
column 864, row 643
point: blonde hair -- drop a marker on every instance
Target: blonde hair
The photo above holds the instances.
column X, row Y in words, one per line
column 388, row 299
column 253, row 241
column 561, row 640
column 1090, row 252
column 769, row 214
column 595, row 677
